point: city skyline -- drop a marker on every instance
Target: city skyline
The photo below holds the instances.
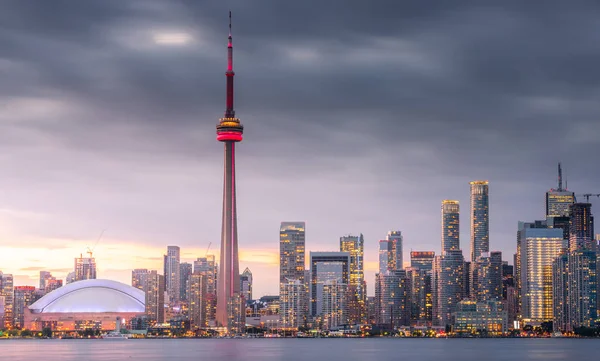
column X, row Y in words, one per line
column 82, row 160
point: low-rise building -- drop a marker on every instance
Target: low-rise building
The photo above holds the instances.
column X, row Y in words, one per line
column 488, row 317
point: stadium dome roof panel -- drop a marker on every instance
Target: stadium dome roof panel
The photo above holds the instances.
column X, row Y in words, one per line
column 94, row 296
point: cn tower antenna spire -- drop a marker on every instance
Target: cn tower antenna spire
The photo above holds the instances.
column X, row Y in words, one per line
column 229, row 112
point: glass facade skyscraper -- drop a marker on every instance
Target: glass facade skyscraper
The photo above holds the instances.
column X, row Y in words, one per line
column 450, row 225
column 291, row 251
column 357, row 293
column 480, row 224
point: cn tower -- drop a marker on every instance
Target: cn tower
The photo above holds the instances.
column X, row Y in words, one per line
column 230, row 302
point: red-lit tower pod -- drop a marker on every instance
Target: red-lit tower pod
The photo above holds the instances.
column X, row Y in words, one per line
column 230, row 303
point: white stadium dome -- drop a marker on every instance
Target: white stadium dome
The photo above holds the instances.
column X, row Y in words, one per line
column 94, row 296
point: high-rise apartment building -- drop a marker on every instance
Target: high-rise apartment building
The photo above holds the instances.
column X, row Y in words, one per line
column 197, row 300
column 489, row 276
column 397, row 251
column 138, row 278
column 172, row 273
column 334, row 304
column 155, row 297
column 246, row 284
column 356, row 287
column 422, row 260
column 393, row 298
column 447, row 286
column 581, row 227
column 44, row 275
column 385, row 256
column 209, row 268
column 292, row 304
column 85, row 268
column 421, row 296
column 450, row 225
column 538, row 248
column 326, row 266
column 185, row 271
column 7, row 294
column 23, row 297
column 480, row 225
column 291, row 251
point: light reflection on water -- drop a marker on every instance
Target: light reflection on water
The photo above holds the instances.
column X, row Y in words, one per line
column 300, row 349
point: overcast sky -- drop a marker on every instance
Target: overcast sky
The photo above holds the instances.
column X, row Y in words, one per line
column 360, row 117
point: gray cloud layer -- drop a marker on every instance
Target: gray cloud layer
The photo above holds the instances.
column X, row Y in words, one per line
column 360, row 116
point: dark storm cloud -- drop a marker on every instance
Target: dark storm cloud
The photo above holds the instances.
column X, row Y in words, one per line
column 360, row 116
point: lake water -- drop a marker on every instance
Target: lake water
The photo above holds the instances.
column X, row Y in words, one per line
column 301, row 349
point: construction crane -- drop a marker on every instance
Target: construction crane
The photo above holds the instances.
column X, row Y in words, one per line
column 208, row 249
column 90, row 251
column 587, row 196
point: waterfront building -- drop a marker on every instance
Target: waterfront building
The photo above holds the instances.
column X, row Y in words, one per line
column 88, row 304
column 334, row 310
column 230, row 302
column 422, row 260
column 291, row 251
column 185, row 271
column 85, row 268
column 326, row 266
column 23, row 297
column 356, row 287
column 420, row 296
column 7, row 294
column 539, row 247
column 172, row 273
column 246, row 284
column 154, row 297
column 292, row 304
column 209, row 268
column 392, row 299
column 450, row 225
column 480, row 224
column 487, row 317
column 489, row 276
column 197, row 299
column 447, row 286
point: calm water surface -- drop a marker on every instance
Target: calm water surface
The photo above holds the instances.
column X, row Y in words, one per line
column 301, row 349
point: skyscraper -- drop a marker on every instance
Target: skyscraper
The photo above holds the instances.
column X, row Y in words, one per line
column 23, row 298
column 7, row 293
column 208, row 267
column 155, row 296
column 326, row 266
column 185, row 271
column 422, row 260
column 395, row 239
column 559, row 200
column 139, row 277
column 385, row 256
column 489, row 276
column 44, row 275
column 539, row 248
column 450, row 225
column 291, row 251
column 447, row 285
column 197, row 299
column 480, row 229
column 246, row 284
column 392, row 298
column 85, row 268
column 292, row 297
column 230, row 303
column 581, row 227
column 172, row 273
column 357, row 295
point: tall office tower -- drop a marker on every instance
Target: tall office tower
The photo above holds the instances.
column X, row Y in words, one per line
column 7, row 292
column 480, row 225
column 385, row 256
column 575, row 274
column 558, row 200
column 291, row 251
column 357, row 293
column 450, row 225
column 85, row 268
column 185, row 271
column 197, row 299
column 292, row 304
column 421, row 297
column 326, row 266
column 392, row 299
column 581, row 227
column 539, row 247
column 334, row 308
column 172, row 273
column 397, row 255
column 23, row 297
column 44, row 275
column 230, row 303
column 246, row 284
column 447, row 286
column 489, row 276
column 522, row 226
column 155, row 297
column 138, row 278
column 422, row 260
column 292, row 237
column 209, row 268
